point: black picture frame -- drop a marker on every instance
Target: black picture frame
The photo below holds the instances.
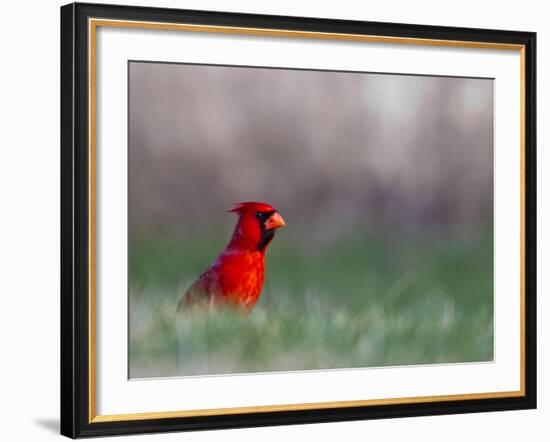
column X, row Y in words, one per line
column 75, row 219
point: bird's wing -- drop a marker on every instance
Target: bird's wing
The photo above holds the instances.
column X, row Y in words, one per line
column 197, row 294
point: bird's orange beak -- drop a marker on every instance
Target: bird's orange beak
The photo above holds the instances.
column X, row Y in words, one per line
column 275, row 221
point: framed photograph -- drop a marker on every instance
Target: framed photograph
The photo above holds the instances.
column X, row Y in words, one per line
column 274, row 220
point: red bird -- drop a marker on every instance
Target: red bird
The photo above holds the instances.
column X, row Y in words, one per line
column 236, row 278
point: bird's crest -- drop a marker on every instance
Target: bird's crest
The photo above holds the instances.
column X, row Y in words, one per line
column 251, row 206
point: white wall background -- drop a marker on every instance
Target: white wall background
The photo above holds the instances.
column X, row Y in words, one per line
column 29, row 220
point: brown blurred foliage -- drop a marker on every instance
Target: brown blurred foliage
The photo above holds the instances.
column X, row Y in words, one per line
column 340, row 148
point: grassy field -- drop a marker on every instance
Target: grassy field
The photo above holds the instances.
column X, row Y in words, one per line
column 361, row 301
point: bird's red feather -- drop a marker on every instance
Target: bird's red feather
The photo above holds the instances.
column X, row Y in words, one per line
column 236, row 278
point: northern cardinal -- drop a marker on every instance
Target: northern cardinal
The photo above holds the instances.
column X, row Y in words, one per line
column 236, row 277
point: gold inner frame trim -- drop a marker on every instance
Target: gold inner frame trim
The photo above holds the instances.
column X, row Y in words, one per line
column 306, row 406
column 93, row 24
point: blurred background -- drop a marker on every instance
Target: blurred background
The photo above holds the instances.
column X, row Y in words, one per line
column 385, row 182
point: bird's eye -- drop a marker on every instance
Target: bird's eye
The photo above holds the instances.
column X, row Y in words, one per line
column 264, row 215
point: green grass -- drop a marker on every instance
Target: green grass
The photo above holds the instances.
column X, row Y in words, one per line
column 358, row 301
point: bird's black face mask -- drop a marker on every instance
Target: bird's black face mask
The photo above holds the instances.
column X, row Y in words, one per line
column 267, row 235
